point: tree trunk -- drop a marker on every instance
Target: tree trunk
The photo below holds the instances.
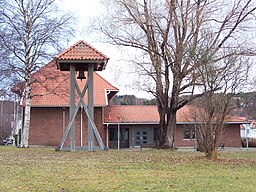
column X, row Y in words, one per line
column 211, row 153
column 171, row 120
column 171, row 130
column 163, row 127
column 167, row 131
column 25, row 133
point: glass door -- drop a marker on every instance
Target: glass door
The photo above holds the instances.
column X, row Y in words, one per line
column 141, row 137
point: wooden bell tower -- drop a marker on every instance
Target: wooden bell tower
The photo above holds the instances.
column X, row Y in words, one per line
column 81, row 57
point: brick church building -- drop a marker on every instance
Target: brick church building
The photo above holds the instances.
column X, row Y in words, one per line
column 138, row 124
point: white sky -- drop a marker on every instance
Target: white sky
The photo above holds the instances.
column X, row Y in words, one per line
column 117, row 72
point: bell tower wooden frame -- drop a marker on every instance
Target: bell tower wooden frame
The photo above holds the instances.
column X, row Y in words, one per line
column 78, row 60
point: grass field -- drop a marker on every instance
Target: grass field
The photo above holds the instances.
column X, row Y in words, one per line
column 43, row 169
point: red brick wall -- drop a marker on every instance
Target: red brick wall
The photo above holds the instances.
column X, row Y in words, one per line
column 47, row 129
column 231, row 136
column 47, row 126
column 179, row 141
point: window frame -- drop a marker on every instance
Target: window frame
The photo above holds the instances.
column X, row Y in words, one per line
column 191, row 133
column 186, row 133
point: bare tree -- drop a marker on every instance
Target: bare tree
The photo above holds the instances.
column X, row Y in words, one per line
column 30, row 30
column 7, row 78
column 214, row 107
column 174, row 37
column 7, row 118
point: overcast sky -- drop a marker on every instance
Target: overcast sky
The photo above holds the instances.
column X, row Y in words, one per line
column 116, row 75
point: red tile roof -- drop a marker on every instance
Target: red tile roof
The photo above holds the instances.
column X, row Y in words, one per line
column 148, row 114
column 236, row 119
column 81, row 53
column 131, row 114
column 81, row 50
column 51, row 88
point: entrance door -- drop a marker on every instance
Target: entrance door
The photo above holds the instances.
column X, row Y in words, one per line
column 141, row 137
column 124, row 138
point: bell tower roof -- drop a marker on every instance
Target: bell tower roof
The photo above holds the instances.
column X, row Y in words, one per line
column 80, row 55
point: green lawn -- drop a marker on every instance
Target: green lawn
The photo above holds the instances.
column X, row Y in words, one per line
column 43, row 169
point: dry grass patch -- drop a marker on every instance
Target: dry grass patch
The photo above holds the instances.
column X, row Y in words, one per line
column 43, row 169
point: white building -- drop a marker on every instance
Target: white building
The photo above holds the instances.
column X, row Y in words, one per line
column 249, row 130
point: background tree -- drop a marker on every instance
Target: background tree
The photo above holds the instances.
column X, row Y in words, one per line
column 30, row 31
column 6, row 119
column 246, row 105
column 7, row 77
column 172, row 39
column 214, row 107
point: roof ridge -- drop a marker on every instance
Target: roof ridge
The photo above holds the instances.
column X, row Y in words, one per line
column 76, row 44
column 87, row 44
column 68, row 49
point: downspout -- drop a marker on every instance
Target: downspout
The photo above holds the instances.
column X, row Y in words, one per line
column 106, row 96
column 118, row 133
column 107, row 136
column 63, row 120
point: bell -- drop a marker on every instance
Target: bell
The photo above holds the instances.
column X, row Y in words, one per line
column 81, row 75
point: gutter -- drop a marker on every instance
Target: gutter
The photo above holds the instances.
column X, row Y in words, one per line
column 156, row 123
